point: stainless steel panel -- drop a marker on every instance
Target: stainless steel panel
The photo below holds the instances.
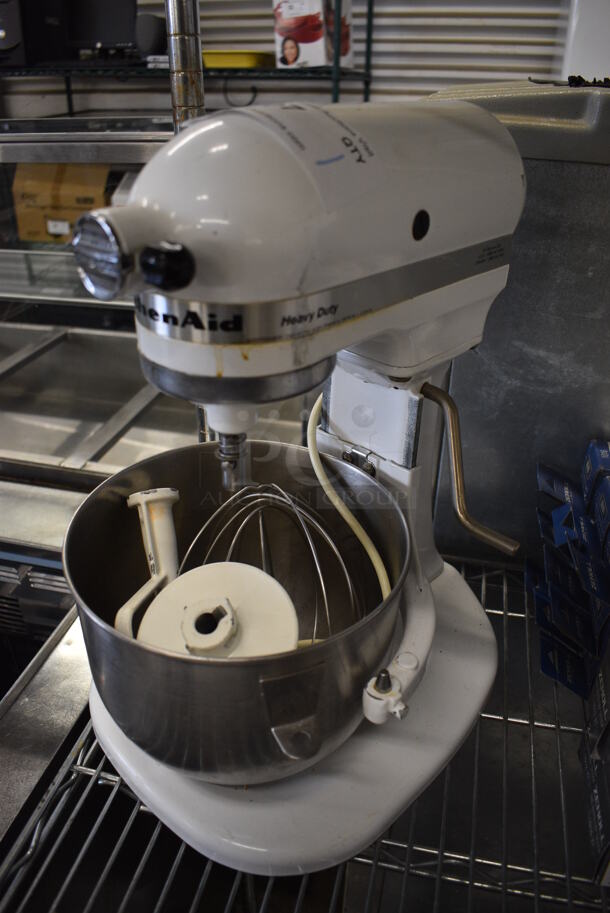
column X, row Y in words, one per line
column 89, row 148
column 121, row 126
column 54, row 403
column 105, row 436
column 36, row 515
column 28, row 353
column 45, row 275
column 171, row 423
column 16, row 336
column 38, row 714
column 67, row 406
column 547, row 120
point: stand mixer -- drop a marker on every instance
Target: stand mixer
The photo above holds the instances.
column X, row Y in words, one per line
column 271, row 251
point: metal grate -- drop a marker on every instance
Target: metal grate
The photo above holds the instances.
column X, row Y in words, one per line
column 503, row 827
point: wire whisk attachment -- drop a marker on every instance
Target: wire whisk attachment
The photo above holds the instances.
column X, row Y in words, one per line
column 243, row 523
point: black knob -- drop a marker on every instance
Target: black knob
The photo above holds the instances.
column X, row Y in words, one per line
column 168, row 267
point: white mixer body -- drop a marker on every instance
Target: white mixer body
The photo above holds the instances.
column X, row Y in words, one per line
column 279, row 203
column 382, row 229
column 264, row 247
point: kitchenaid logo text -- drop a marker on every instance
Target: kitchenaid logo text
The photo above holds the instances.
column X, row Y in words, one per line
column 233, row 324
column 291, row 320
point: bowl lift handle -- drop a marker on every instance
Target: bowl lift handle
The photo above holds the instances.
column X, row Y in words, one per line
column 159, row 535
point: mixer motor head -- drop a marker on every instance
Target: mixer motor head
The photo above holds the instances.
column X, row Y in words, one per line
column 257, row 244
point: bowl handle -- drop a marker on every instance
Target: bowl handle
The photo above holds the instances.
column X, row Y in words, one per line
column 299, row 740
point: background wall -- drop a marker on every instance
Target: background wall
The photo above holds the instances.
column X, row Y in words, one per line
column 419, row 47
column 538, row 387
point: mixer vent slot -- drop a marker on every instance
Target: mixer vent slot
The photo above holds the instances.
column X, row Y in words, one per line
column 11, row 619
column 8, row 574
column 41, row 581
column 32, row 602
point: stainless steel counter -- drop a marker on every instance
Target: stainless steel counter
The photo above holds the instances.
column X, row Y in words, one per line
column 75, row 400
column 38, row 714
column 35, row 515
column 89, row 140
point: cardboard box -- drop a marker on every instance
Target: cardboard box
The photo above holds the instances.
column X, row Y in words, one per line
column 305, row 30
column 48, row 199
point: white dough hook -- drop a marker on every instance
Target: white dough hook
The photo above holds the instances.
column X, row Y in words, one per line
column 159, row 536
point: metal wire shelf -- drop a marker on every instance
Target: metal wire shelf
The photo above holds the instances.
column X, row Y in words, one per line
column 503, row 827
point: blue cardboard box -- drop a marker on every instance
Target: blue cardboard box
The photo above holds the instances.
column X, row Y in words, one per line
column 563, row 620
column 569, row 521
column 601, row 512
column 597, row 712
column 596, row 466
column 597, row 779
column 570, row 667
column 552, row 483
column 572, row 601
column 560, row 572
column 593, row 575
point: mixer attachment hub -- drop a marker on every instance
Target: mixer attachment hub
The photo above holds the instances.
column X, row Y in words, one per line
column 205, row 628
column 208, row 621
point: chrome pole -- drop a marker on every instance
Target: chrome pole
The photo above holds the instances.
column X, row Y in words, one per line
column 185, row 62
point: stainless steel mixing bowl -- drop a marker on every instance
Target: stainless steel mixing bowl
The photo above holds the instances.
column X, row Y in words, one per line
column 239, row 721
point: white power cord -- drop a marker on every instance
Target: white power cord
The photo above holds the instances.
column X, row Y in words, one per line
column 339, row 505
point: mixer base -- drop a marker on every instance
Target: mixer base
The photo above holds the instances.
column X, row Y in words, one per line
column 328, row 814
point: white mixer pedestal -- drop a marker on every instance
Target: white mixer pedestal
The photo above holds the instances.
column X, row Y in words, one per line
column 328, row 814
